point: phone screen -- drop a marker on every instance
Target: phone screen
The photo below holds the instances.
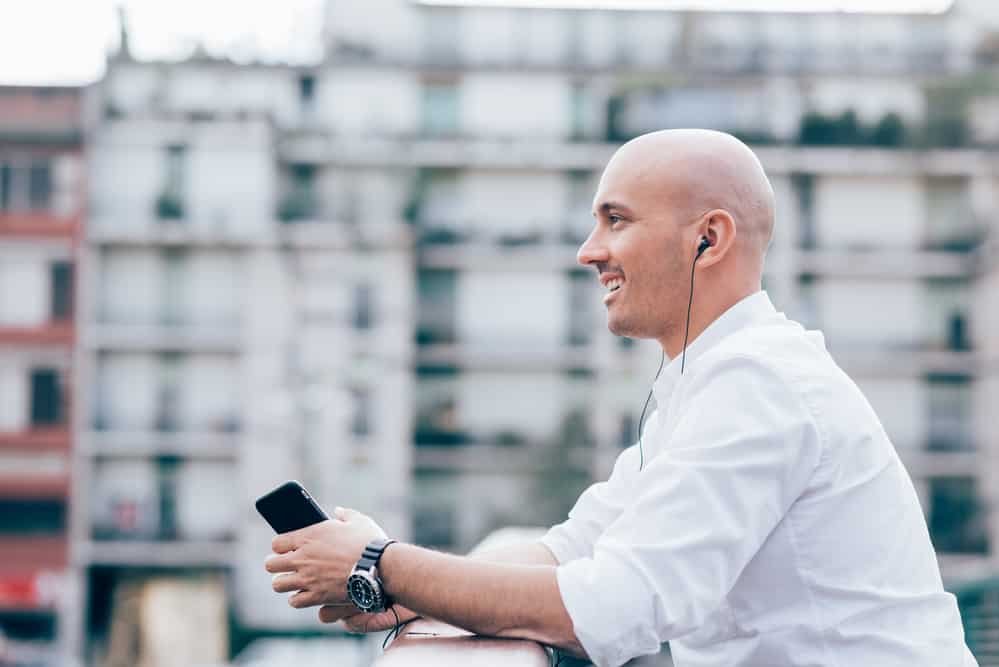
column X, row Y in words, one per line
column 289, row 507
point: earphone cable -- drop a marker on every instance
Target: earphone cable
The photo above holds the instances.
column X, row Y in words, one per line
column 683, row 358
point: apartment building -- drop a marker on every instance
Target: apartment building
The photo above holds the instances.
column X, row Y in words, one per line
column 236, row 332
column 42, row 195
column 362, row 275
column 872, row 128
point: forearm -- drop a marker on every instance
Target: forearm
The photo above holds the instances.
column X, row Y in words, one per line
column 485, row 597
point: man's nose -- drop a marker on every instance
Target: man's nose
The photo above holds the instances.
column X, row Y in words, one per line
column 593, row 249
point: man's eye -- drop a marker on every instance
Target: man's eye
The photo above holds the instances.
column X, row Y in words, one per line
column 614, row 219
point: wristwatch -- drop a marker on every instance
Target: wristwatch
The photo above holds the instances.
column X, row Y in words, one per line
column 364, row 588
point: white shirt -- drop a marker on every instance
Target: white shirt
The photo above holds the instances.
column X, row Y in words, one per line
column 772, row 523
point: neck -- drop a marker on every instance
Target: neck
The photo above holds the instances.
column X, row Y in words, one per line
column 703, row 311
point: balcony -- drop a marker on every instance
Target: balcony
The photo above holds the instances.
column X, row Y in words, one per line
column 172, row 337
column 159, row 553
column 564, row 153
column 38, row 224
column 506, row 356
column 27, row 553
column 209, row 445
column 38, row 438
column 882, row 263
column 905, row 361
column 50, row 333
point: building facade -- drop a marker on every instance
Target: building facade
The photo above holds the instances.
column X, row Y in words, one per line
column 362, row 275
column 42, row 195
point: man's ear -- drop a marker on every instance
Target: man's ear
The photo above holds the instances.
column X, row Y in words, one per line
column 718, row 227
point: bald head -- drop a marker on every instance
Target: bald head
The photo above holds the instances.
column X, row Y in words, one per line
column 696, row 171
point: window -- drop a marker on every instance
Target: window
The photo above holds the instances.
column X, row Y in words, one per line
column 949, row 408
column 957, row 516
column 46, row 397
column 440, row 108
column 300, row 201
column 441, row 33
column 61, row 280
column 175, row 168
column 6, row 187
column 360, row 423
column 437, row 312
column 578, row 109
column 628, row 431
column 40, row 185
column 170, row 204
column 168, row 394
column 306, row 90
column 363, row 306
column 581, row 297
column 804, row 188
column 32, row 517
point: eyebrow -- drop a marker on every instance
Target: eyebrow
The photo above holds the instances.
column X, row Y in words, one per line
column 607, row 206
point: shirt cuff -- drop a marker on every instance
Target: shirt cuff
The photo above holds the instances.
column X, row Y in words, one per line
column 558, row 545
column 603, row 612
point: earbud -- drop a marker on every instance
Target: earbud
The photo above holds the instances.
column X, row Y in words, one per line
column 705, row 244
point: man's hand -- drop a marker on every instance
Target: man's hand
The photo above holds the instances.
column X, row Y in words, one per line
column 316, row 560
column 355, row 622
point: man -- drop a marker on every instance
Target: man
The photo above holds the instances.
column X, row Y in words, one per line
column 764, row 518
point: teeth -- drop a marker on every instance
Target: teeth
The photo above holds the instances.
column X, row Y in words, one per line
column 614, row 284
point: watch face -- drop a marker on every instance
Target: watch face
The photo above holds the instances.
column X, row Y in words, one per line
column 363, row 593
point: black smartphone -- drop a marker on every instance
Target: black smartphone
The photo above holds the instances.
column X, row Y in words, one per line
column 289, row 507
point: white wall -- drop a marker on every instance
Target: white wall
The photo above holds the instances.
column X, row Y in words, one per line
column 515, row 105
column 127, row 386
column 212, row 293
column 528, row 403
column 13, row 396
column 506, row 309
column 24, row 287
column 883, row 212
column 210, row 391
column 205, row 507
column 870, row 312
column 900, row 404
column 500, row 202
column 130, row 290
column 364, row 102
column 488, row 35
column 230, row 179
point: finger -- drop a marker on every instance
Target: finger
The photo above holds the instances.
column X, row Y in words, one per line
column 330, row 613
column 304, row 599
column 285, row 582
column 276, row 563
column 341, row 513
column 285, row 542
column 365, row 623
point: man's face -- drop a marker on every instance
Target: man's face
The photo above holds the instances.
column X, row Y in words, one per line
column 637, row 248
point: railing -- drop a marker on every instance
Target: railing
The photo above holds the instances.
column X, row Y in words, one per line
column 432, row 643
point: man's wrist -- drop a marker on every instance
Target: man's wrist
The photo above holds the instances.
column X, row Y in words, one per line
column 391, row 561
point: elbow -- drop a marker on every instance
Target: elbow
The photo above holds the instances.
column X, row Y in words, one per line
column 563, row 639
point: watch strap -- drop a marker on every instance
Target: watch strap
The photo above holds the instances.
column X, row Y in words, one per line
column 373, row 553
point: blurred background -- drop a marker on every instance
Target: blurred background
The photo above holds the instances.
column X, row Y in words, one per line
column 335, row 241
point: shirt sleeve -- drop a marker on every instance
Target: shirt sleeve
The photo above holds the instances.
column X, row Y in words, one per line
column 743, row 450
column 598, row 506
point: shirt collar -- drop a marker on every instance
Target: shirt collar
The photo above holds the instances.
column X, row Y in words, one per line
column 750, row 309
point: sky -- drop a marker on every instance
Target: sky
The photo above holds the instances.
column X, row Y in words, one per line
column 66, row 41
column 51, row 42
